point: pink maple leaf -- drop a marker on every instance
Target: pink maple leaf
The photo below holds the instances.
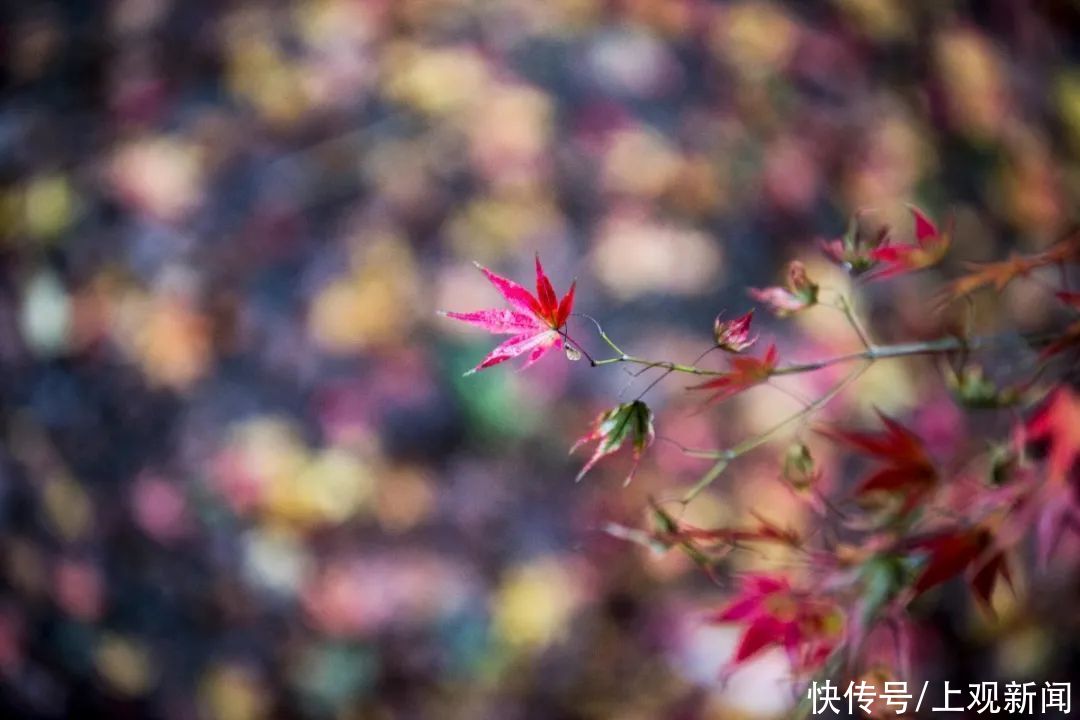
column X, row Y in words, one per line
column 535, row 321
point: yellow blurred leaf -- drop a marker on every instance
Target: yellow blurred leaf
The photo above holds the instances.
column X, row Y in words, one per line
column 49, row 206
column 232, row 692
column 125, row 664
column 405, row 498
column 372, row 306
column 67, row 507
column 535, row 603
column 757, row 38
column 436, row 81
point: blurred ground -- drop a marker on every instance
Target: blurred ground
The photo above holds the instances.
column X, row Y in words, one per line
column 241, row 475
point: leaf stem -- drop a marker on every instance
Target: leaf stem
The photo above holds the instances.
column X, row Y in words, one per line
column 603, row 335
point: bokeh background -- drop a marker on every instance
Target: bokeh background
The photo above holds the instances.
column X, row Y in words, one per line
column 241, row 475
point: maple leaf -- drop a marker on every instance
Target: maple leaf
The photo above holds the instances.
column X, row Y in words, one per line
column 706, row 547
column 850, row 252
column 908, row 469
column 1052, row 434
column 535, row 321
column 995, row 274
column 745, row 372
column 800, row 293
column 1001, row 273
column 629, row 420
column 734, row 335
column 806, row 626
column 674, row 532
column 985, row 576
column 949, row 554
column 928, row 249
column 1053, row 431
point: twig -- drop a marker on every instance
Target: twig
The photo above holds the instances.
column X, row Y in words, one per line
column 875, row 352
column 853, row 320
column 724, row 457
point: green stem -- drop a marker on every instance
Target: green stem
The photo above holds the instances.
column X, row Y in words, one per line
column 673, row 367
column 603, row 336
column 853, row 320
column 723, row 457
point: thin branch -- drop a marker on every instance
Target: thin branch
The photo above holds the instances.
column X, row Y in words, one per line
column 724, row 457
column 876, row 352
column 667, row 372
column 653, row 384
column 853, row 320
column 689, row 451
column 790, row 393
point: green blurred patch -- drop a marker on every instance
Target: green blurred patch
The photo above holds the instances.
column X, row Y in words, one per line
column 491, row 401
column 330, row 675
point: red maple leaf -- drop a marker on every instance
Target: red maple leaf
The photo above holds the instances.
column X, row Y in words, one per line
column 745, row 372
column 674, row 532
column 1052, row 435
column 908, row 469
column 928, row 249
column 1055, row 429
column 806, row 626
column 949, row 554
column 535, row 321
